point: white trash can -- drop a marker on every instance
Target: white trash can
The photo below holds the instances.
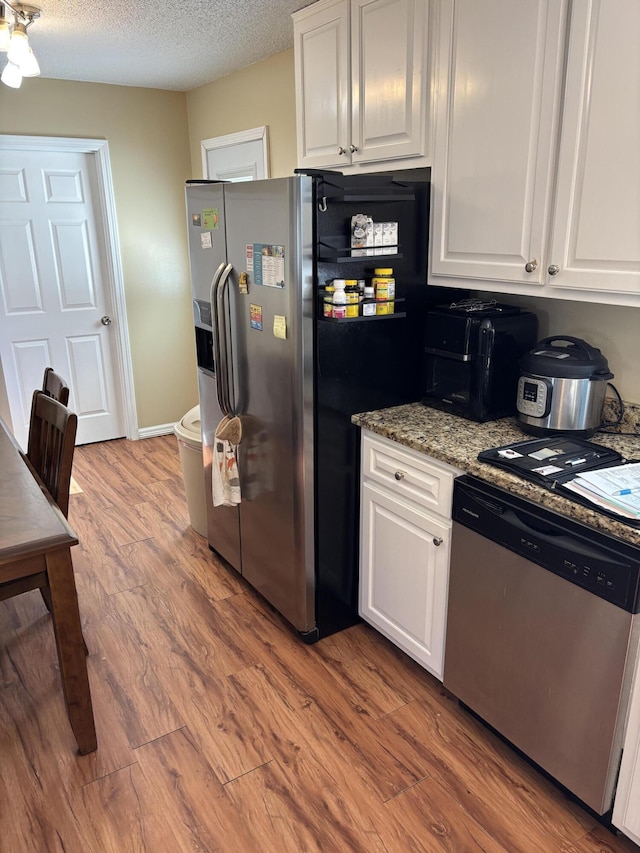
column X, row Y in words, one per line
column 189, row 435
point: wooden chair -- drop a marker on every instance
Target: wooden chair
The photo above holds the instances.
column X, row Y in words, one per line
column 51, row 445
column 54, row 386
column 52, row 435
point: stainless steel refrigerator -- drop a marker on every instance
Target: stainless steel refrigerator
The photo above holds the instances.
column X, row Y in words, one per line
column 258, row 251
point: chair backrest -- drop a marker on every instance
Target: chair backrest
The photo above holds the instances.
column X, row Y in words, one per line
column 52, row 436
column 54, row 386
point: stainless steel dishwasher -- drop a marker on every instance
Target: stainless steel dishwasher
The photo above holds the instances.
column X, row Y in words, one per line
column 541, row 633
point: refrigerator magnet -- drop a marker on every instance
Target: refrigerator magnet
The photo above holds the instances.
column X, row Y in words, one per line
column 255, row 313
column 280, row 327
column 210, row 218
column 205, row 240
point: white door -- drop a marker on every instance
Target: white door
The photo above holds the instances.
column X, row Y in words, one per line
column 55, row 304
column 235, row 157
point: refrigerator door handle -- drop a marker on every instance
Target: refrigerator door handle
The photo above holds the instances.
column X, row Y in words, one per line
column 224, row 376
column 217, row 346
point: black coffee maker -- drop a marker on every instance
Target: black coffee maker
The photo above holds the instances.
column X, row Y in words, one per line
column 472, row 357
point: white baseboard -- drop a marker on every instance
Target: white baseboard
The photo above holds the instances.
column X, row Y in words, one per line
column 152, row 432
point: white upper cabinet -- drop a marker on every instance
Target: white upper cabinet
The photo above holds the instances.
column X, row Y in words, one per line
column 595, row 241
column 536, row 174
column 323, row 96
column 361, row 82
column 499, row 72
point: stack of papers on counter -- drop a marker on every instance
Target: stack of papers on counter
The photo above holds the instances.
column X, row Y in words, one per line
column 616, row 489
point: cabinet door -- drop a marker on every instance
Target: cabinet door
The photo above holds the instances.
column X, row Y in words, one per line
column 498, row 85
column 596, row 230
column 323, row 102
column 389, row 79
column 626, row 810
column 404, row 575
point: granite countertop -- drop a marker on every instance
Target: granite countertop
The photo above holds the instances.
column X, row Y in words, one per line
column 458, row 441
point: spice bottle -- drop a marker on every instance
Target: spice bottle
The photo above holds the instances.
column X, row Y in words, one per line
column 351, row 291
column 327, row 301
column 384, row 283
column 339, row 299
column 368, row 302
column 385, row 289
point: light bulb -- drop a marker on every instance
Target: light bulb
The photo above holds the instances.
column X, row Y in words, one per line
column 19, row 45
column 12, row 76
column 29, row 67
column 5, row 34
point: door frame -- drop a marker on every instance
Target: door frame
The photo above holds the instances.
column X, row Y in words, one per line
column 254, row 134
column 114, row 279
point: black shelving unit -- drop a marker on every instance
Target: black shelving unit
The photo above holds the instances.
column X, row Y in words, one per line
column 397, row 315
column 368, row 188
column 332, row 250
column 368, row 318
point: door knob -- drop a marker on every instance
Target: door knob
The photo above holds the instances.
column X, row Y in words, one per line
column 437, row 540
column 353, row 148
column 399, row 475
column 106, row 321
column 531, row 265
column 341, row 150
column 554, row 269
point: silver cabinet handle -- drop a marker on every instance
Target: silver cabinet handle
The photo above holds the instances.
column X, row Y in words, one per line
column 341, row 150
column 554, row 269
column 437, row 540
column 399, row 475
column 106, row 321
column 353, row 148
column 531, row 265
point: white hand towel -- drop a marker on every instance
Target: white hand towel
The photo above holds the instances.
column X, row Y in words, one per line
column 225, row 479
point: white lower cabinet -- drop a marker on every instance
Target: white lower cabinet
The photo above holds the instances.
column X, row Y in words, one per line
column 626, row 808
column 404, row 547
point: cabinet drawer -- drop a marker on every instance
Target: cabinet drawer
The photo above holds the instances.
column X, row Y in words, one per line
column 408, row 473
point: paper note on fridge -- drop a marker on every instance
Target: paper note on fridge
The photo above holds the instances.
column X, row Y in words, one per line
column 280, row 327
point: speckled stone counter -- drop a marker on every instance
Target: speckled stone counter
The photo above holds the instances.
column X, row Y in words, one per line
column 458, row 441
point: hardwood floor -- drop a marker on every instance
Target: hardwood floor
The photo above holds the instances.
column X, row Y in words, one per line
column 218, row 730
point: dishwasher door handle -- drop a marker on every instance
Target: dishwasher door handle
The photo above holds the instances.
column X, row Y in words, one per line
column 557, row 537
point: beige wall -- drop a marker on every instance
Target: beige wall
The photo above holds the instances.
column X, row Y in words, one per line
column 614, row 329
column 261, row 94
column 148, row 142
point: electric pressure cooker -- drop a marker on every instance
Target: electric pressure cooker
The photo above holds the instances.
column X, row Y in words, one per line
column 562, row 386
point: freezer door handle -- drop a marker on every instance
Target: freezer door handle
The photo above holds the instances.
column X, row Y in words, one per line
column 224, row 375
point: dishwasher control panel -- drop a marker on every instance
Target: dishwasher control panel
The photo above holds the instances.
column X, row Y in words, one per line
column 593, row 560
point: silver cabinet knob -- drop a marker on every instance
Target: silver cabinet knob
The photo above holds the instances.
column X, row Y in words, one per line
column 353, row 148
column 554, row 269
column 437, row 540
column 341, row 150
column 399, row 475
column 106, row 321
column 531, row 265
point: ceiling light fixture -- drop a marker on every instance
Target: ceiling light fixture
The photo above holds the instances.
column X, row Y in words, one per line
column 15, row 42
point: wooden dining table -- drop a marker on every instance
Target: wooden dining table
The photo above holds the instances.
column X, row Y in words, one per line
column 35, row 538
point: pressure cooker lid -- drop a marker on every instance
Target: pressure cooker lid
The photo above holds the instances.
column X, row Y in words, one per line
column 565, row 357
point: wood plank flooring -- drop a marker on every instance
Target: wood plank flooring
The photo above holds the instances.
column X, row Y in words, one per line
column 219, row 730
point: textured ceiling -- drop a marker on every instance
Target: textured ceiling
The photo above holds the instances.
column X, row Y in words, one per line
column 157, row 43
